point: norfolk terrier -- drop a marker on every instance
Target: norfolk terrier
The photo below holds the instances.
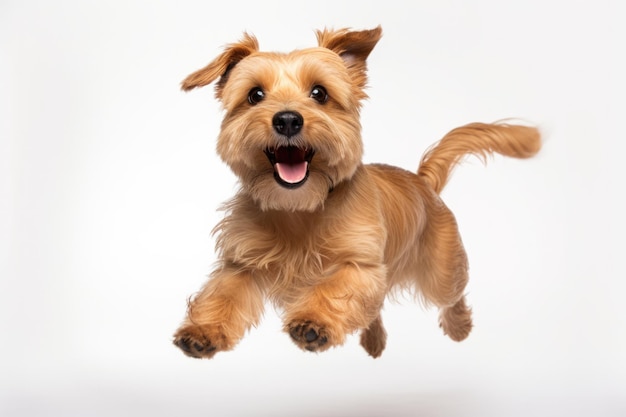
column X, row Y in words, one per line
column 321, row 235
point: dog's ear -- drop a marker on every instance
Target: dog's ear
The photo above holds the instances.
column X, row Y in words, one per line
column 222, row 65
column 353, row 46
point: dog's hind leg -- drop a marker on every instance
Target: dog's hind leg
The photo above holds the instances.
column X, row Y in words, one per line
column 374, row 338
column 456, row 321
column 443, row 270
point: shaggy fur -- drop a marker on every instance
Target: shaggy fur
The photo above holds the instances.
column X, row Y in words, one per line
column 313, row 229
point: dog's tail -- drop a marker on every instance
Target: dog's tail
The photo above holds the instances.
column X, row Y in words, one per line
column 481, row 140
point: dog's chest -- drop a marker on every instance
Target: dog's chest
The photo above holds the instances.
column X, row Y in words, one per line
column 276, row 244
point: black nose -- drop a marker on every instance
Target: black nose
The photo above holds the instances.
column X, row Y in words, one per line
column 288, row 123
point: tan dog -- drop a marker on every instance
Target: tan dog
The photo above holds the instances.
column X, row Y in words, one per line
column 312, row 228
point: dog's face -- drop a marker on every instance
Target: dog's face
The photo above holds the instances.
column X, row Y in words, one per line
column 291, row 131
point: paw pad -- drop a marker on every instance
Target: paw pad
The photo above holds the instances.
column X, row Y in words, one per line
column 308, row 335
column 195, row 345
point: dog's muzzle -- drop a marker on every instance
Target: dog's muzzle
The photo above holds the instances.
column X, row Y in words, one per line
column 291, row 163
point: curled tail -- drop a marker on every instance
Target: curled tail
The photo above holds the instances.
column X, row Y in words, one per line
column 481, row 140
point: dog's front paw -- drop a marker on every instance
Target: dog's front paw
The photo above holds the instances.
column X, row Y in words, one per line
column 200, row 341
column 309, row 335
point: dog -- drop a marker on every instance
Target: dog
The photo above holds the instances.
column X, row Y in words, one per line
column 312, row 229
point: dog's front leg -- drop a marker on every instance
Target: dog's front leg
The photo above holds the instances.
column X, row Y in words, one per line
column 219, row 315
column 341, row 303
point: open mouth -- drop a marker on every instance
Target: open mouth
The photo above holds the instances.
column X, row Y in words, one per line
column 291, row 164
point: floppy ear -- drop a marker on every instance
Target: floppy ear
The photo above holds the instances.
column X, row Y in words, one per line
column 353, row 47
column 221, row 66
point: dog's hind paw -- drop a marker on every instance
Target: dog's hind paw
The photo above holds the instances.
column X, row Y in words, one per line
column 308, row 335
column 374, row 338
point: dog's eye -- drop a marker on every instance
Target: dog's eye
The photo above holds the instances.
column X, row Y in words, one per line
column 255, row 96
column 319, row 94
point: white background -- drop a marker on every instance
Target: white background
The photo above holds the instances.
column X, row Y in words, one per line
column 110, row 187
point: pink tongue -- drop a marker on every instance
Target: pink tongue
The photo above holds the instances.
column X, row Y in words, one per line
column 291, row 173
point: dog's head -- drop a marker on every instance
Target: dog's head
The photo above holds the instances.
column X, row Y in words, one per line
column 291, row 131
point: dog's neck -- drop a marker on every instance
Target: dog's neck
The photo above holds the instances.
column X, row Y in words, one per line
column 337, row 194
